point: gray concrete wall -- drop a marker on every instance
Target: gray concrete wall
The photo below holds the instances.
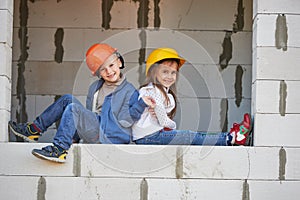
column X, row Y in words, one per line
column 214, row 37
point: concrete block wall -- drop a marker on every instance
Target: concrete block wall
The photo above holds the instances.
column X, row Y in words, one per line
column 269, row 170
column 192, row 27
column 276, row 74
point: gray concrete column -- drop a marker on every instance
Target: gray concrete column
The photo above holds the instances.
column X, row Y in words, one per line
column 6, row 24
column 276, row 72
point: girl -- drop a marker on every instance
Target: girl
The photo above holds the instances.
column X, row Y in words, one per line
column 156, row 125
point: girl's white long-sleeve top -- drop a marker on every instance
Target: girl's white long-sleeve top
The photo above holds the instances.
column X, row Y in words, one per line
column 148, row 124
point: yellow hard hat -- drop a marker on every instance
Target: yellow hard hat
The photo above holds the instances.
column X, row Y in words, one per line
column 161, row 54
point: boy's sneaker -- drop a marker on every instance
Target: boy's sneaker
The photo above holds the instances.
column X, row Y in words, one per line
column 51, row 153
column 28, row 131
column 240, row 132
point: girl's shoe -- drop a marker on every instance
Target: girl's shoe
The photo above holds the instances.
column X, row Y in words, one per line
column 28, row 131
column 240, row 132
column 51, row 153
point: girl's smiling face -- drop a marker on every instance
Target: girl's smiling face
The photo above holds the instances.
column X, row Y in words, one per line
column 167, row 73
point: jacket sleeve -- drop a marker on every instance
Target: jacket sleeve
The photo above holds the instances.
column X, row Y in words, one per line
column 160, row 111
column 136, row 106
column 131, row 110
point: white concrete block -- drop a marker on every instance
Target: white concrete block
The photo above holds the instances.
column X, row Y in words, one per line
column 7, row 5
column 4, row 118
column 42, row 102
column 230, row 79
column 114, row 38
column 6, row 63
column 124, row 18
column 277, row 6
column 41, row 44
column 196, row 46
column 292, row 167
column 276, row 190
column 92, row 188
column 217, row 163
column 53, row 78
column 209, row 82
column 212, row 41
column 128, row 161
column 174, row 15
column 170, row 189
column 266, row 29
column 271, row 63
column 50, row 77
column 204, row 15
column 62, row 14
column 5, row 90
column 267, row 96
column 73, row 51
column 293, row 97
column 6, row 25
column 276, row 130
column 22, row 162
column 200, row 47
column 19, row 187
column 205, row 114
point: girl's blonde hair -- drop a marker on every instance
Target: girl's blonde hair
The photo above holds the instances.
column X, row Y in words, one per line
column 151, row 78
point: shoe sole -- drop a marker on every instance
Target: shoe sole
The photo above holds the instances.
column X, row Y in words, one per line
column 20, row 135
column 57, row 160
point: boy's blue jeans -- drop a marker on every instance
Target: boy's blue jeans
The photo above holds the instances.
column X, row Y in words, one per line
column 74, row 118
column 185, row 137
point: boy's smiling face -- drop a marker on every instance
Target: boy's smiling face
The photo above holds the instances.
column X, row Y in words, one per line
column 110, row 70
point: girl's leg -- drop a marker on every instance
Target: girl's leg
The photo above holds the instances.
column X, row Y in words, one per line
column 237, row 136
column 184, row 137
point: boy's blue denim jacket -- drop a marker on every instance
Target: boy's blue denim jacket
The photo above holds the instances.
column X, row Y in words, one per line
column 119, row 111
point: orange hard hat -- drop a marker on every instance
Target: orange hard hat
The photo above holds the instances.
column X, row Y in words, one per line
column 97, row 54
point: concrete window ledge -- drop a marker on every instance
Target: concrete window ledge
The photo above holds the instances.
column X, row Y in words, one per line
column 151, row 171
column 159, row 161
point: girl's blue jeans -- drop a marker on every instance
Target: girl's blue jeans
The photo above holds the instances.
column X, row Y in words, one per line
column 185, row 137
column 74, row 119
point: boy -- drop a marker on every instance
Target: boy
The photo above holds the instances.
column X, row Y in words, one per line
column 112, row 106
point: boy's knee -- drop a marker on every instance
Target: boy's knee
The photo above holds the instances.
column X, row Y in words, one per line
column 67, row 97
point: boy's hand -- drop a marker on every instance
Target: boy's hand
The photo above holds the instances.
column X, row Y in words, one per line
column 149, row 101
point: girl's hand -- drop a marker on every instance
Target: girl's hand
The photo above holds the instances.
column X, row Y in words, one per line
column 149, row 101
column 152, row 112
